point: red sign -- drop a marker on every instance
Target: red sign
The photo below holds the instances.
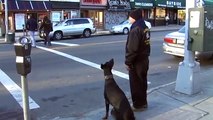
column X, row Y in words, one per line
column 94, row 2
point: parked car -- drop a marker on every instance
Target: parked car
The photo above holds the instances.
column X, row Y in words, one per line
column 124, row 27
column 174, row 44
column 72, row 27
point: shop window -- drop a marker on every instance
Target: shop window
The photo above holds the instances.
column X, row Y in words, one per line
column 181, row 14
column 160, row 13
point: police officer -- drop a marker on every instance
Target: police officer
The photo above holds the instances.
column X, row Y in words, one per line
column 137, row 59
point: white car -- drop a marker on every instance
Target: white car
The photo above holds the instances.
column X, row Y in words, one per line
column 174, row 44
column 124, row 27
column 73, row 27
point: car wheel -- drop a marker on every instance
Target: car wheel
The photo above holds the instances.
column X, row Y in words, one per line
column 87, row 33
column 58, row 35
column 125, row 31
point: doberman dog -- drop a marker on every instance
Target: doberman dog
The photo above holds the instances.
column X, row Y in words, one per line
column 115, row 96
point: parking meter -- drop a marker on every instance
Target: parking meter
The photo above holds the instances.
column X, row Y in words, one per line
column 23, row 59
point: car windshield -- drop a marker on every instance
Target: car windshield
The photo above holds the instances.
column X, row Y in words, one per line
column 124, row 22
column 59, row 23
column 182, row 30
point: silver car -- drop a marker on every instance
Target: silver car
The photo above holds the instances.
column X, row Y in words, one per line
column 174, row 44
column 124, row 27
column 73, row 27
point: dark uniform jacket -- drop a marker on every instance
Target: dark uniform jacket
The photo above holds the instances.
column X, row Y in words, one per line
column 138, row 43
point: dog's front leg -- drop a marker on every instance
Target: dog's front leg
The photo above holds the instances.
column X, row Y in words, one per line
column 107, row 110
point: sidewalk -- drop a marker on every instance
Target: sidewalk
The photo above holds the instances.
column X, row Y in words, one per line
column 167, row 104
column 102, row 32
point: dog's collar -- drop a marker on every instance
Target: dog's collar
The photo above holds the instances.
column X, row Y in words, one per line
column 108, row 77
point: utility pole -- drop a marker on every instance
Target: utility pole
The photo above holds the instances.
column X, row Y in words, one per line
column 187, row 81
column 6, row 19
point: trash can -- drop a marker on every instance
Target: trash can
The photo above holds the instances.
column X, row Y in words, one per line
column 10, row 37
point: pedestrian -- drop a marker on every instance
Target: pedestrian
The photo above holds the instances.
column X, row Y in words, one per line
column 137, row 59
column 46, row 25
column 167, row 20
column 32, row 27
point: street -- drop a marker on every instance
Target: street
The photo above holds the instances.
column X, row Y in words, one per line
column 66, row 79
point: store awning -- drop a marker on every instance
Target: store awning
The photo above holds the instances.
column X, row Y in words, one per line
column 170, row 3
column 23, row 5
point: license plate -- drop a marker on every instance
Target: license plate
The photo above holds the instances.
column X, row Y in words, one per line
column 181, row 42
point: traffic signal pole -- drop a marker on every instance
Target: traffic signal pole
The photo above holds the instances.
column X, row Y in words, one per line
column 187, row 81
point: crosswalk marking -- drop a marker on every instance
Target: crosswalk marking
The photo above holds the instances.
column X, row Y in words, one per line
column 15, row 90
column 115, row 72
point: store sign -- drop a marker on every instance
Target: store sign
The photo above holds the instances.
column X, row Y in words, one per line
column 119, row 5
column 143, row 3
column 171, row 3
column 94, row 2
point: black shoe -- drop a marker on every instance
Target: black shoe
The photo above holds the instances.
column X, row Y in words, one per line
column 139, row 109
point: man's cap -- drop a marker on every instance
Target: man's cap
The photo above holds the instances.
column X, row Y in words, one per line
column 136, row 14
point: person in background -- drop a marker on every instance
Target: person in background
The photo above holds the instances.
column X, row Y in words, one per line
column 46, row 25
column 137, row 59
column 32, row 26
column 167, row 20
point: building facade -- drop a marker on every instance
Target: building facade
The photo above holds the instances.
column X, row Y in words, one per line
column 104, row 13
column 155, row 11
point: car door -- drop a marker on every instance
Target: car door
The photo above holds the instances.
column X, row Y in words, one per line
column 68, row 27
column 79, row 26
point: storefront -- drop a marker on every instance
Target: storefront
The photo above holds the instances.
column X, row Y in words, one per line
column 19, row 10
column 155, row 11
column 117, row 11
column 94, row 9
column 173, row 8
column 64, row 9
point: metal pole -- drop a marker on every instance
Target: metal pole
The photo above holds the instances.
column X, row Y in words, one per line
column 6, row 19
column 25, row 98
column 187, row 81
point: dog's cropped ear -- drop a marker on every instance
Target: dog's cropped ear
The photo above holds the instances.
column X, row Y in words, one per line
column 102, row 66
column 112, row 61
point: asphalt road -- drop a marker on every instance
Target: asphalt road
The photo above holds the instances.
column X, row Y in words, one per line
column 66, row 79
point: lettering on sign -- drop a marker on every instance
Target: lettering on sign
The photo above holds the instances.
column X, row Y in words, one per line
column 93, row 1
column 209, row 24
column 119, row 5
column 173, row 3
column 144, row 4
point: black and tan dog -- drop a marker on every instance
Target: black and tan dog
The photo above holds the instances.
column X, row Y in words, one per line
column 115, row 96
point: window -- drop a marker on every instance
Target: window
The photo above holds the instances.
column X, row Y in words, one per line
column 82, row 21
column 160, row 13
column 69, row 22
